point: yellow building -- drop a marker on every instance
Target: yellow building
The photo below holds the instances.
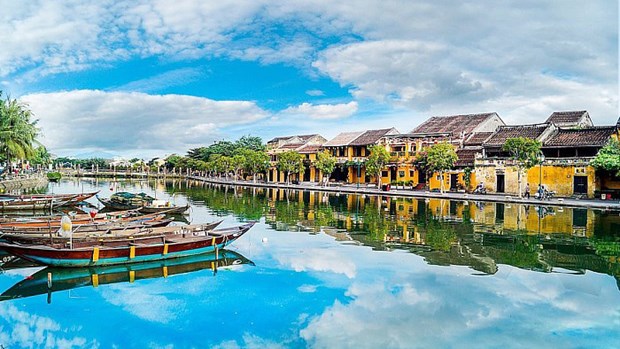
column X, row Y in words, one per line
column 307, row 145
column 351, row 150
column 564, row 161
column 466, row 132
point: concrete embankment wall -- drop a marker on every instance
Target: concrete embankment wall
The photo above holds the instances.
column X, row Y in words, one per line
column 29, row 182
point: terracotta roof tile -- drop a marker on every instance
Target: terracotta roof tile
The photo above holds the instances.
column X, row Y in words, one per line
column 303, row 138
column 564, row 117
column 343, row 138
column 466, row 157
column 309, row 149
column 454, row 124
column 505, row 132
column 290, row 146
column 477, row 138
column 591, row 136
column 371, row 136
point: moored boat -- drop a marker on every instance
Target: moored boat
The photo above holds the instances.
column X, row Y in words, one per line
column 143, row 202
column 184, row 241
column 55, row 222
column 138, row 232
column 42, row 203
column 72, row 198
column 170, row 209
column 53, row 279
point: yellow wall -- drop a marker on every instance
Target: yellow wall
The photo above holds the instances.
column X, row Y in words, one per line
column 558, row 178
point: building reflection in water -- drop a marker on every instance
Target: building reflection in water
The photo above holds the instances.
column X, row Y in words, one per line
column 480, row 235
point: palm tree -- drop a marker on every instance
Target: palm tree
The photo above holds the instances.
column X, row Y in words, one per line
column 17, row 131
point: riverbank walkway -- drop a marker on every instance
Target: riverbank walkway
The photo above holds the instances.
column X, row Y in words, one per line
column 371, row 189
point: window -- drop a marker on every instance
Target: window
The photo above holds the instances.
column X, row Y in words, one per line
column 411, row 172
column 384, row 173
column 401, row 174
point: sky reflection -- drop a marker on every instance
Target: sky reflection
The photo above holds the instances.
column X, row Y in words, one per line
column 310, row 290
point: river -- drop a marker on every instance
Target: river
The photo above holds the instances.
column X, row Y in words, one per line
column 325, row 270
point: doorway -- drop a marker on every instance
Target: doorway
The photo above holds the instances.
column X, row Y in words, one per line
column 454, row 181
column 501, row 186
column 580, row 184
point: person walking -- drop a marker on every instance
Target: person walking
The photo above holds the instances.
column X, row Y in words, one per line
column 527, row 191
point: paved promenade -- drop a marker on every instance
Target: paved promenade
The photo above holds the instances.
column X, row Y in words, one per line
column 372, row 190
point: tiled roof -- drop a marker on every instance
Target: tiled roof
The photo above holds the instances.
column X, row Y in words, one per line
column 371, row 136
column 312, row 148
column 591, row 136
column 290, row 146
column 564, row 117
column 454, row 124
column 477, row 138
column 303, row 138
column 466, row 157
column 505, row 132
column 277, row 139
column 342, row 139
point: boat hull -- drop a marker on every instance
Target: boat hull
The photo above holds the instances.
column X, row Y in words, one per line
column 53, row 279
column 167, row 248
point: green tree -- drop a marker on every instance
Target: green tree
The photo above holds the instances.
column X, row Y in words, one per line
column 237, row 163
column 173, row 161
column 325, row 162
column 440, row 158
column 250, row 142
column 377, row 159
column 608, row 158
column 290, row 162
column 41, row 157
column 223, row 164
column 17, row 131
column 524, row 152
column 256, row 161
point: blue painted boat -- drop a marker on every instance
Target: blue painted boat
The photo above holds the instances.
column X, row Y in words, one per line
column 181, row 242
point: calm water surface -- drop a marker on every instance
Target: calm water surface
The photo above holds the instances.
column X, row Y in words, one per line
column 337, row 271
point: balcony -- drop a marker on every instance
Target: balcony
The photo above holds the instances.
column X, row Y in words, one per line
column 400, row 155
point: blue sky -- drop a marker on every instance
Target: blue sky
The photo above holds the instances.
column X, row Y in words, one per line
column 149, row 78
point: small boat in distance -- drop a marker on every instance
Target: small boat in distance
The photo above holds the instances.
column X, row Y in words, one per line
column 184, row 241
column 142, row 201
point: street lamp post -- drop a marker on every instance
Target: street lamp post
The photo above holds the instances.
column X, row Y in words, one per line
column 541, row 159
column 359, row 170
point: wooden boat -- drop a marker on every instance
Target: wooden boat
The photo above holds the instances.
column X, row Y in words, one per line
column 54, row 279
column 103, row 234
column 43, row 203
column 184, row 241
column 72, row 198
column 143, row 202
column 125, row 216
column 97, row 227
column 54, row 176
column 169, row 209
column 21, row 217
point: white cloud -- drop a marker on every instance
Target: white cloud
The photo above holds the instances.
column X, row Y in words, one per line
column 315, row 93
column 118, row 121
column 408, row 72
column 320, row 260
column 323, row 111
column 30, row 330
column 513, row 57
column 486, row 312
column 176, row 77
